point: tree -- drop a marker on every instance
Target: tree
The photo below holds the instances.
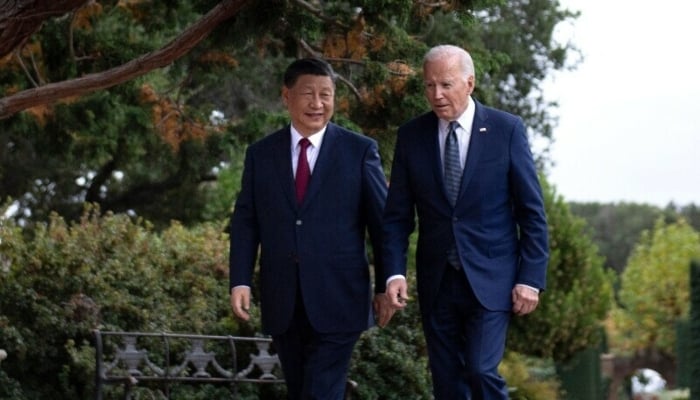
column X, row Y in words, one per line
column 616, row 227
column 579, row 292
column 691, row 213
column 654, row 292
column 21, row 19
column 147, row 145
column 60, row 155
column 18, row 30
column 694, row 326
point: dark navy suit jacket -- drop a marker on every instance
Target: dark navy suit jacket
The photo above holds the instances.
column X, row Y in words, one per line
column 319, row 246
column 498, row 223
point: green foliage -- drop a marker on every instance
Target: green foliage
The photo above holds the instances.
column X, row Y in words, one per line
column 10, row 389
column 616, row 228
column 513, row 49
column 678, row 394
column 61, row 280
column 578, row 296
column 694, row 322
column 146, row 147
column 103, row 272
column 530, row 378
column 394, row 354
column 115, row 273
column 655, row 288
column 691, row 213
column 133, row 148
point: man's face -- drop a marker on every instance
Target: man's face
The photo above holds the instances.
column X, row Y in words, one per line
column 310, row 102
column 446, row 87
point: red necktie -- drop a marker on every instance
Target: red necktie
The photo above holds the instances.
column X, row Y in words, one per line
column 303, row 171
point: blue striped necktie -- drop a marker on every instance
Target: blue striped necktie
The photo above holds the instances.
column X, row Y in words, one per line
column 453, row 168
column 453, row 179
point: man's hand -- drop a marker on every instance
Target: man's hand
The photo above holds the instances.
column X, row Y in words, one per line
column 397, row 291
column 383, row 309
column 240, row 302
column 525, row 300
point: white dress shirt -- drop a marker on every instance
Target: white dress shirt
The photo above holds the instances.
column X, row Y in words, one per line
column 464, row 133
column 311, row 152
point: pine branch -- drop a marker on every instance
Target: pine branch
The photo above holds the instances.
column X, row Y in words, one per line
column 177, row 48
column 20, row 19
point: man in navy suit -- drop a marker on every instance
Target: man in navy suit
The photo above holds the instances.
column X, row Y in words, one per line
column 310, row 193
column 482, row 246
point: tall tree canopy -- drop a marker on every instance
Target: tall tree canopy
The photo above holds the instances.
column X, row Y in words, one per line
column 616, row 228
column 655, row 289
column 144, row 106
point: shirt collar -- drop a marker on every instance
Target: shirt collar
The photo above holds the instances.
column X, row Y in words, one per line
column 315, row 138
column 466, row 120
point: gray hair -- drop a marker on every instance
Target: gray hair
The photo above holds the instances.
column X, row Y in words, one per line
column 447, row 51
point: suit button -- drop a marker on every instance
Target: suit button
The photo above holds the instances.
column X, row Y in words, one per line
column 455, row 219
column 299, row 222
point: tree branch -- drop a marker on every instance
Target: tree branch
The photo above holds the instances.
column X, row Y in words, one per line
column 341, row 78
column 19, row 19
column 349, row 85
column 137, row 67
column 18, row 55
column 318, row 13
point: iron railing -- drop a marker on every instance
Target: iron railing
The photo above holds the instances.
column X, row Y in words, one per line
column 163, row 360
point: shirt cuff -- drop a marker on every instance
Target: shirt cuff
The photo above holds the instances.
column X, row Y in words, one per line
column 534, row 289
column 394, row 277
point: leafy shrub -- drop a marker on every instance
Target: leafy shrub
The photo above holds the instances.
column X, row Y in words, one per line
column 396, row 353
column 529, row 378
column 103, row 272
column 61, row 281
column 10, row 388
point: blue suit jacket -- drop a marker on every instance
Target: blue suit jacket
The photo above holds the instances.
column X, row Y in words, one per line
column 318, row 246
column 498, row 223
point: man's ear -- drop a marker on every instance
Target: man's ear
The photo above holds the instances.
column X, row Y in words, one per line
column 471, row 84
column 285, row 95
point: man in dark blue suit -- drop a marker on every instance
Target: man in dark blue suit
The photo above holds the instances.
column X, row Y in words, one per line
column 310, row 193
column 482, row 233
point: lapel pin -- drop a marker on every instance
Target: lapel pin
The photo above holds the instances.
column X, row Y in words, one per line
column 482, row 129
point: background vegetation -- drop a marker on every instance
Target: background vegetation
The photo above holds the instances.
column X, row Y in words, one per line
column 117, row 196
column 167, row 144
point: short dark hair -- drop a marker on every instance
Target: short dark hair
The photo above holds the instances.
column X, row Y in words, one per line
column 307, row 66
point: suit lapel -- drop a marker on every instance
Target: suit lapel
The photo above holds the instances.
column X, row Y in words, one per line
column 431, row 142
column 324, row 164
column 283, row 165
column 480, row 128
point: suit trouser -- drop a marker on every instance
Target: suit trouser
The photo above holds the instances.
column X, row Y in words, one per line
column 466, row 343
column 315, row 364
